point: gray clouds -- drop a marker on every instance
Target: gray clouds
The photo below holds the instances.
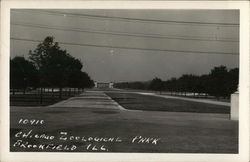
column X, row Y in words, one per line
column 111, row 64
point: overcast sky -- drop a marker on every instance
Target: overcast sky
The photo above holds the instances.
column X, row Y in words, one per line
column 134, row 45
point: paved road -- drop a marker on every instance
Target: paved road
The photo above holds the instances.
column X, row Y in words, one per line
column 90, row 99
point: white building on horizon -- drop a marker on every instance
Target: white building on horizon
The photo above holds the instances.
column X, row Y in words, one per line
column 104, row 84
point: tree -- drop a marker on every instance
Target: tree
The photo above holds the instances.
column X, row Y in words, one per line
column 220, row 82
column 201, row 84
column 172, row 87
column 217, row 79
column 187, row 83
column 56, row 66
column 156, row 84
column 80, row 80
column 232, row 80
column 23, row 73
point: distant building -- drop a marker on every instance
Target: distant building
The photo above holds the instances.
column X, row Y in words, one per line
column 104, row 85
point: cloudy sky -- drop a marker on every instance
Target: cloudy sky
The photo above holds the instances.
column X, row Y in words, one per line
column 134, row 45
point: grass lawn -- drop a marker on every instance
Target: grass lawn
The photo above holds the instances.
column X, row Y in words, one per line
column 152, row 103
column 34, row 99
column 176, row 134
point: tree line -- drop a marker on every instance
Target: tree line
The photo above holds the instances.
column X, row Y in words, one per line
column 220, row 82
column 48, row 66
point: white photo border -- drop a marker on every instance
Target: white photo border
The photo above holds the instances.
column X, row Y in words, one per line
column 243, row 154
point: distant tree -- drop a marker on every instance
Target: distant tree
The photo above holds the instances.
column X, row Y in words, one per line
column 139, row 85
column 217, row 79
column 173, row 85
column 133, row 85
column 187, row 83
column 220, row 82
column 201, row 84
column 232, row 80
column 23, row 73
column 156, row 84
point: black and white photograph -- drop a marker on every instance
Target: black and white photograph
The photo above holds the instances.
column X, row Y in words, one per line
column 124, row 81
